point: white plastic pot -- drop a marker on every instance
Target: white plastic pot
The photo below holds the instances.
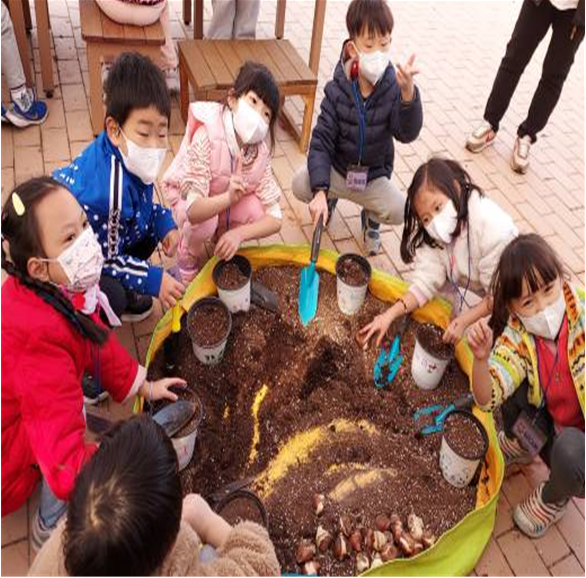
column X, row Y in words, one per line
column 210, row 354
column 427, row 370
column 185, row 445
column 456, row 469
column 235, row 299
column 351, row 297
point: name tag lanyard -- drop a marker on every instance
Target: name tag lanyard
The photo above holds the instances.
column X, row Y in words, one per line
column 549, row 379
column 452, row 260
column 361, row 108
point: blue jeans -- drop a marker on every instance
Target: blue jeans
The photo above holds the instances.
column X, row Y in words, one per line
column 51, row 509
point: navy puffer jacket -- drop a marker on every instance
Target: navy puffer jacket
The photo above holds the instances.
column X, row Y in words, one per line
column 335, row 138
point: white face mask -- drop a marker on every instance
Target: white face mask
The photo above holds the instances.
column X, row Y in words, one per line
column 548, row 321
column 443, row 224
column 144, row 162
column 372, row 65
column 82, row 262
column 248, row 123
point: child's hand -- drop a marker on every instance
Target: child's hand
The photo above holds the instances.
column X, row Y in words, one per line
column 196, row 512
column 319, row 206
column 154, row 390
column 404, row 75
column 378, row 326
column 228, row 244
column 480, row 339
column 170, row 290
column 455, row 330
column 170, row 243
column 236, row 189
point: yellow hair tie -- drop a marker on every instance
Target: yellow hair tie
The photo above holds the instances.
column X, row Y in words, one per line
column 17, row 204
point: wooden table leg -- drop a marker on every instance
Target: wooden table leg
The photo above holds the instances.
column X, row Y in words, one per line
column 280, row 20
column 94, row 64
column 307, row 120
column 28, row 23
column 187, row 11
column 317, row 33
column 42, row 12
column 198, row 19
column 183, row 90
column 18, row 22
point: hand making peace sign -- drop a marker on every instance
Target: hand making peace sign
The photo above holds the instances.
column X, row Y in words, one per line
column 405, row 74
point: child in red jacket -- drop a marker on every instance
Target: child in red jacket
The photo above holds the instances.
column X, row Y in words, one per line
column 51, row 334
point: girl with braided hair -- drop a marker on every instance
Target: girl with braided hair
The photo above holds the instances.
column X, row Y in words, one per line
column 52, row 333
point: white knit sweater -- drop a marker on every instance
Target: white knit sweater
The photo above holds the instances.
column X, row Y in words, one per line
column 491, row 230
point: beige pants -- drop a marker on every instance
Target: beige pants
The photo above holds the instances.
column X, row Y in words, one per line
column 382, row 200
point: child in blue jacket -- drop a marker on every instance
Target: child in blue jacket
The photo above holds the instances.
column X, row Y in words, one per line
column 365, row 106
column 113, row 181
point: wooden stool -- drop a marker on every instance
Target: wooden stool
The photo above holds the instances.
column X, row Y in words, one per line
column 211, row 67
column 106, row 40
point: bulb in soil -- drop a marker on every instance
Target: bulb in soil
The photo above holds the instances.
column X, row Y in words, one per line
column 376, row 561
column 305, row 551
column 415, row 525
column 346, row 526
column 382, row 522
column 356, row 540
column 396, row 527
column 379, row 540
column 311, row 568
column 369, row 540
column 362, row 563
column 417, row 548
column 318, row 503
column 389, row 552
column 428, row 538
column 341, row 547
column 406, row 544
column 323, row 539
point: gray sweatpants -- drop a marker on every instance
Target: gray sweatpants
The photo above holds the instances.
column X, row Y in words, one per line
column 563, row 453
column 233, row 19
column 11, row 64
column 382, row 200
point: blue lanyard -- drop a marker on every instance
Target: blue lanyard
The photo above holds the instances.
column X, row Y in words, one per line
column 451, row 278
column 231, row 172
column 360, row 107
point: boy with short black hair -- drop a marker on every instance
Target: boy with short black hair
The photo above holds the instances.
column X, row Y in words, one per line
column 365, row 106
column 113, row 181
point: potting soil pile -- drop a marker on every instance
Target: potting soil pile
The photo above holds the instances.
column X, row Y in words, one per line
column 297, row 409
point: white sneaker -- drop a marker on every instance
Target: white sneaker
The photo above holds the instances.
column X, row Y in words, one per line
column 512, row 450
column 481, row 138
column 533, row 516
column 520, row 156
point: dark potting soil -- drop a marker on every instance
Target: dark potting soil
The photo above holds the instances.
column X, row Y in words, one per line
column 241, row 509
column 209, row 324
column 231, row 277
column 369, row 460
column 352, row 273
column 430, row 338
column 463, row 436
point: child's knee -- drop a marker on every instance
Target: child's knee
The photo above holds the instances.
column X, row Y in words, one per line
column 248, row 210
column 300, row 185
column 568, row 449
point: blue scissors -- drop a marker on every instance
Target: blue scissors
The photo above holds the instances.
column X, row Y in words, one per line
column 390, row 359
column 440, row 412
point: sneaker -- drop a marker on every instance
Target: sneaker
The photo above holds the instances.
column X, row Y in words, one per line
column 138, row 307
column 533, row 516
column 93, row 393
column 172, row 80
column 520, row 156
column 371, row 234
column 4, row 117
column 39, row 533
column 481, row 138
column 332, row 204
column 512, row 450
column 26, row 110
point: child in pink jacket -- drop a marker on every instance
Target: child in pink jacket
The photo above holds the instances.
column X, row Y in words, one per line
column 221, row 182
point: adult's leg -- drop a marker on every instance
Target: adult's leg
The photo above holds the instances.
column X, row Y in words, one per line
column 556, row 66
column 169, row 58
column 532, row 25
column 222, row 23
column 246, row 18
column 566, row 477
column 11, row 64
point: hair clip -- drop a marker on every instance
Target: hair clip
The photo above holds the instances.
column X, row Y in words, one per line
column 18, row 204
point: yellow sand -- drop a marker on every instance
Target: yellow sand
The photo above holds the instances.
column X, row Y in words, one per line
column 258, row 399
column 359, row 481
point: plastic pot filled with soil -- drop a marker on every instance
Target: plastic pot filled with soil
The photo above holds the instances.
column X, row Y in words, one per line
column 233, row 280
column 209, row 323
column 184, row 440
column 242, row 506
column 430, row 357
column 464, row 445
column 353, row 274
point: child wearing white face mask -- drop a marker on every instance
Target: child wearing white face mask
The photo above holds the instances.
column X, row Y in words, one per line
column 221, row 182
column 455, row 235
column 535, row 373
column 113, row 179
column 51, row 335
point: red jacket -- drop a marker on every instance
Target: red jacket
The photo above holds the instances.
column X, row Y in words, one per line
column 43, row 362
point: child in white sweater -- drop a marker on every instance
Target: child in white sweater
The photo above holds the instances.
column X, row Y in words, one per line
column 455, row 235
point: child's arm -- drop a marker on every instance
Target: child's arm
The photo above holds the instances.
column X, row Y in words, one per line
column 480, row 340
column 211, row 528
column 230, row 241
column 458, row 325
column 407, row 112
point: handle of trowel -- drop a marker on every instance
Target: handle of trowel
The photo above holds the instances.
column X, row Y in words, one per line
column 176, row 318
column 316, row 241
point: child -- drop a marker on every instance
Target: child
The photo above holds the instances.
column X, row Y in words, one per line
column 535, row 372
column 24, row 109
column 455, row 235
column 221, row 180
column 51, row 333
column 365, row 106
column 127, row 517
column 113, row 181
column 233, row 19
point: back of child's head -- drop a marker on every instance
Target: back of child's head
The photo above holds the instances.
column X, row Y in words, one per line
column 369, row 17
column 444, row 176
column 124, row 513
column 21, row 230
column 258, row 78
column 527, row 259
column 134, row 82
